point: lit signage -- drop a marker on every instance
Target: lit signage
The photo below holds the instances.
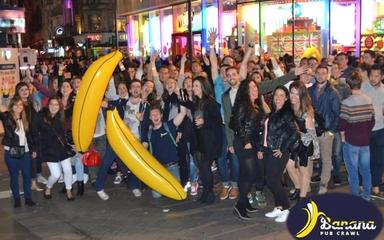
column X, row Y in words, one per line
column 123, row 37
column 59, row 31
column 94, row 37
column 12, row 20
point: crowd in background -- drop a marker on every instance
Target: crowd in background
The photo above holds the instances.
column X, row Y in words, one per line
column 255, row 117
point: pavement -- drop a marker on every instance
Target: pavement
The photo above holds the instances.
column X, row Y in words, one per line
column 125, row 217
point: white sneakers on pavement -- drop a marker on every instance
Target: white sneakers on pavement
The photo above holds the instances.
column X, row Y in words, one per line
column 136, row 192
column 103, row 195
column 278, row 214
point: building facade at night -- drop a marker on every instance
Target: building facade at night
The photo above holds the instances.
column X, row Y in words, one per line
column 284, row 26
column 81, row 23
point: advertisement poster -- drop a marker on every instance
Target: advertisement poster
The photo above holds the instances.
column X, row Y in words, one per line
column 9, row 70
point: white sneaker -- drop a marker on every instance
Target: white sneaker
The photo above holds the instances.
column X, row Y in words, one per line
column 41, row 179
column 283, row 216
column 275, row 213
column 187, row 186
column 323, row 190
column 136, row 192
column 117, row 180
column 103, row 195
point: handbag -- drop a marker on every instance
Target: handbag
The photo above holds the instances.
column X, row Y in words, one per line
column 91, row 158
column 69, row 152
column 17, row 151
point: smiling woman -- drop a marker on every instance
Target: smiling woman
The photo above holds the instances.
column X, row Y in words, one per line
column 17, row 143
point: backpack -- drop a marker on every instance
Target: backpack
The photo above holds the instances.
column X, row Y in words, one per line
column 166, row 127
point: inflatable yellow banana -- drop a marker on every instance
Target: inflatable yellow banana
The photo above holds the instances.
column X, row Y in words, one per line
column 312, row 52
column 89, row 98
column 139, row 160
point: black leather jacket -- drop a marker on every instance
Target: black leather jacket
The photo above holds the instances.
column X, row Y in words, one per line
column 11, row 139
column 283, row 132
column 247, row 126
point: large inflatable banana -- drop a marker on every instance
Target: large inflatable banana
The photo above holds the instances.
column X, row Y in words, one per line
column 89, row 98
column 139, row 160
column 312, row 52
column 130, row 151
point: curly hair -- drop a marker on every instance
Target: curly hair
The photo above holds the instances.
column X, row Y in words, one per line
column 243, row 99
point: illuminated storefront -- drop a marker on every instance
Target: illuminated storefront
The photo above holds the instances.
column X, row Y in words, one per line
column 279, row 27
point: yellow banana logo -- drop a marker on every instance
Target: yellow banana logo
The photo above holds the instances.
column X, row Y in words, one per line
column 89, row 98
column 313, row 215
column 122, row 141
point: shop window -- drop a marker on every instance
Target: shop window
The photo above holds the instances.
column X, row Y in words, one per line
column 154, row 31
column 276, row 31
column 166, row 31
column 248, row 23
column 133, row 35
column 311, row 26
column 372, row 25
column 342, row 34
column 228, row 25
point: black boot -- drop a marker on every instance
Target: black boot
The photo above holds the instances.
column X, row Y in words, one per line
column 241, row 212
column 203, row 197
column 29, row 202
column 210, row 198
column 295, row 195
column 80, row 188
column 249, row 208
column 17, row 203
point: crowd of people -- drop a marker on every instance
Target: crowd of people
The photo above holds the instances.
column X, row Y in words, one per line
column 256, row 117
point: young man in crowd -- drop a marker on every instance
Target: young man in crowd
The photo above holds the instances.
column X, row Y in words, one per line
column 374, row 88
column 161, row 141
column 326, row 104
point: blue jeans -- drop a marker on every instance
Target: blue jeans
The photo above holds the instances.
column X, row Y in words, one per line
column 223, row 164
column 78, row 163
column 357, row 160
column 377, row 156
column 193, row 174
column 175, row 171
column 336, row 155
column 107, row 160
column 14, row 167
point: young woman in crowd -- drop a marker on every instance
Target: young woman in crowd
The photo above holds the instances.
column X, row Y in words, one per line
column 280, row 136
column 23, row 91
column 246, row 121
column 208, row 128
column 18, row 144
column 48, row 127
column 297, row 166
column 67, row 96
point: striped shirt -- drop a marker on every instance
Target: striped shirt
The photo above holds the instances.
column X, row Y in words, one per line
column 357, row 119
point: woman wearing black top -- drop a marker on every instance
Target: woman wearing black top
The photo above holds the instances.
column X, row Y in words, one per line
column 246, row 119
column 48, row 125
column 23, row 91
column 281, row 136
column 16, row 135
column 208, row 129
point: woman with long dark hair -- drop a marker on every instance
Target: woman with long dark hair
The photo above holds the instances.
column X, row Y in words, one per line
column 280, row 137
column 208, row 128
column 17, row 144
column 22, row 90
column 48, row 125
column 308, row 149
column 246, row 121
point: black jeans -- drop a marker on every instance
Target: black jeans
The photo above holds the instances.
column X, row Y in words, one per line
column 248, row 170
column 205, row 171
column 274, row 168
